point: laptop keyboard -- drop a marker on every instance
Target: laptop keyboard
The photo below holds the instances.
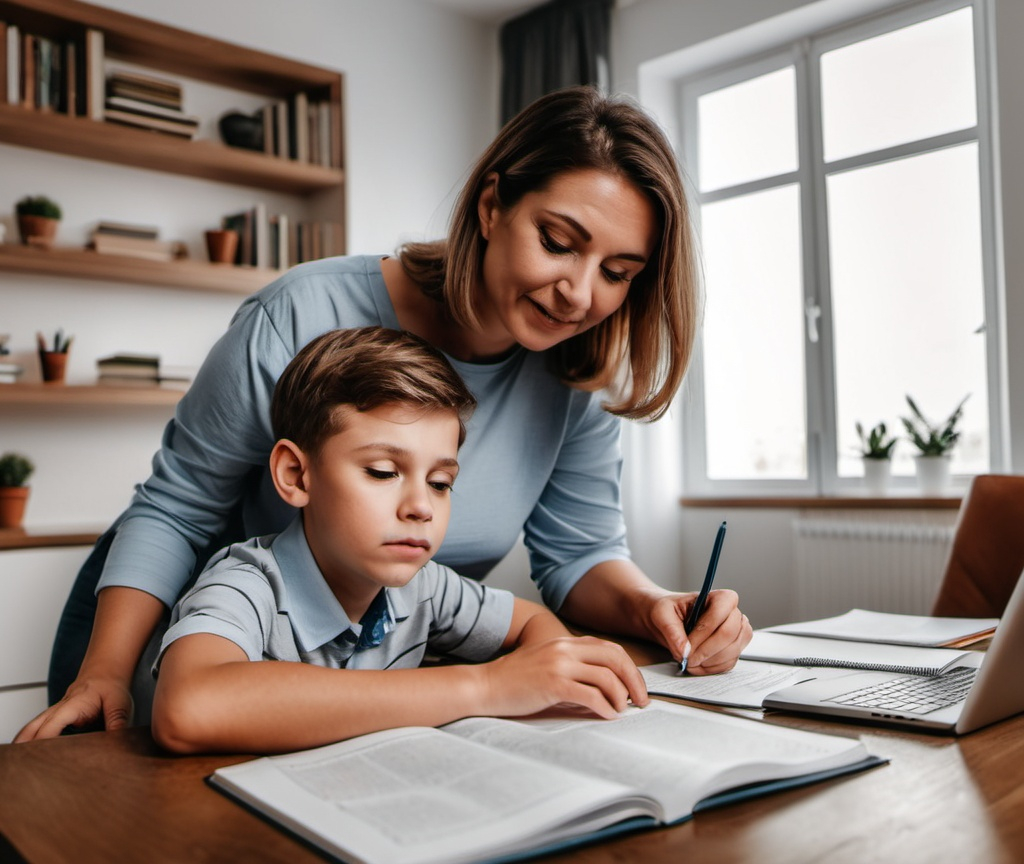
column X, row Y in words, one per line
column 913, row 694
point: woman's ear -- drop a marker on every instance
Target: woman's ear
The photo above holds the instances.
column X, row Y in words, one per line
column 288, row 466
column 487, row 204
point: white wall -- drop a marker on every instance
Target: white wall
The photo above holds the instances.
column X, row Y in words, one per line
column 420, row 93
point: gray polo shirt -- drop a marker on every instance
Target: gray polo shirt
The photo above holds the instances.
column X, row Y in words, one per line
column 267, row 595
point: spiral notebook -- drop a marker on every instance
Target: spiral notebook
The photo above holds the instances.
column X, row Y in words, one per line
column 981, row 689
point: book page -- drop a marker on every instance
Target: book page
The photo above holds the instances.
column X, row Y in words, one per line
column 421, row 796
column 743, row 686
column 675, row 754
column 895, row 629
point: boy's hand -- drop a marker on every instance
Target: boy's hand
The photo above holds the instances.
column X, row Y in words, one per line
column 579, row 671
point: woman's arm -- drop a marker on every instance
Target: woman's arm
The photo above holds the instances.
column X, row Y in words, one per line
column 125, row 619
column 616, row 597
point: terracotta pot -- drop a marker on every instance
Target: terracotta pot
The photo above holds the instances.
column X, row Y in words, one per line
column 37, row 230
column 12, row 505
column 221, row 246
column 54, row 364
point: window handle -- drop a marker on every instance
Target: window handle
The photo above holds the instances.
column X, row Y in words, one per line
column 813, row 312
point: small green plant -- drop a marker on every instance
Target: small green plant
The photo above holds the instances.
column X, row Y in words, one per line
column 933, row 439
column 15, row 469
column 876, row 444
column 38, row 205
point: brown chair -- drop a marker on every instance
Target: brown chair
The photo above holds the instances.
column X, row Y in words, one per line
column 987, row 556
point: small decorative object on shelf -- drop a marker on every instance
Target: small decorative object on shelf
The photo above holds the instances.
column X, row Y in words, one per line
column 222, row 245
column 54, row 360
column 876, row 448
column 242, row 130
column 934, row 443
column 38, row 218
column 15, row 470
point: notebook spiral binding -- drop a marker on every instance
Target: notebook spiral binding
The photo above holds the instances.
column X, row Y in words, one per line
column 929, row 671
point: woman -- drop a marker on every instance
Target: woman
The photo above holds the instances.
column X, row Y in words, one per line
column 568, row 270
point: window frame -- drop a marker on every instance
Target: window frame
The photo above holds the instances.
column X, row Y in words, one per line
column 819, row 366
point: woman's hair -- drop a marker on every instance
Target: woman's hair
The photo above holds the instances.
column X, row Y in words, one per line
column 642, row 350
column 362, row 368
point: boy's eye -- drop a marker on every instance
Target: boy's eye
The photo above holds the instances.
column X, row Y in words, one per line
column 381, row 474
column 549, row 243
column 441, row 486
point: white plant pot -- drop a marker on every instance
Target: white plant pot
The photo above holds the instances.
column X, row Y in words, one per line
column 932, row 474
column 876, row 476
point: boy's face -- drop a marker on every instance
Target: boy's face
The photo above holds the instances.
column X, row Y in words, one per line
column 380, row 497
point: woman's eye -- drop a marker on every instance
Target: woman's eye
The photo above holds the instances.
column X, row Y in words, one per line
column 612, row 276
column 381, row 474
column 549, row 243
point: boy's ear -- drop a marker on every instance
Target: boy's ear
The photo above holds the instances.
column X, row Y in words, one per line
column 487, row 204
column 288, row 466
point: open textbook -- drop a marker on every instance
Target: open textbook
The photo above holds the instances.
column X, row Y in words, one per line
column 485, row 789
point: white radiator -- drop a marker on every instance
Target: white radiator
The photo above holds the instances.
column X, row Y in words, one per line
column 889, row 562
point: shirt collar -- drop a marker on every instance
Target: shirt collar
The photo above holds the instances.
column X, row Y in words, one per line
column 315, row 614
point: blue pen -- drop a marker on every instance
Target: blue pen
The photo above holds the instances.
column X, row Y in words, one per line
column 702, row 597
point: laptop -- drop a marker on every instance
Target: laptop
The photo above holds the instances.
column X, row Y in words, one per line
column 985, row 688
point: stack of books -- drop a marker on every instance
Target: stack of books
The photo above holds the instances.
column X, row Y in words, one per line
column 9, row 372
column 136, row 241
column 138, row 369
column 148, row 103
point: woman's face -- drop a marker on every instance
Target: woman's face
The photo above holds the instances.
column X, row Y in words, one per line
column 561, row 260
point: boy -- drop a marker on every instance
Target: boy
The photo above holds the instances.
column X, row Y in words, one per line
column 369, row 423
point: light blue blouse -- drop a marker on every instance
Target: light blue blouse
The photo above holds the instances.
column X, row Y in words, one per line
column 540, row 458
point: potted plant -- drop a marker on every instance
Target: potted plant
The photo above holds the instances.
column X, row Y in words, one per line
column 876, row 449
column 15, row 470
column 38, row 217
column 933, row 441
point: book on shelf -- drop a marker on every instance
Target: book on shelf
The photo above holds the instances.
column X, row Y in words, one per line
column 92, row 81
column 148, row 109
column 185, row 128
column 139, row 369
column 50, row 75
column 9, row 372
column 483, row 789
column 144, row 88
column 127, row 229
column 135, row 247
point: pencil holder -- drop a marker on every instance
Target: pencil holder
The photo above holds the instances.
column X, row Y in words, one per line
column 54, row 365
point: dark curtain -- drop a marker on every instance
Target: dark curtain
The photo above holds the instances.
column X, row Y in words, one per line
column 559, row 44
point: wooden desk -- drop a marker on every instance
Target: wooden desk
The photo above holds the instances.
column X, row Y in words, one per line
column 106, row 797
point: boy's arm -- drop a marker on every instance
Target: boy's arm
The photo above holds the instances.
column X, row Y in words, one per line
column 532, row 623
column 210, row 696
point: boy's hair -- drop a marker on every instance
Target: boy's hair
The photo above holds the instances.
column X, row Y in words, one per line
column 364, row 368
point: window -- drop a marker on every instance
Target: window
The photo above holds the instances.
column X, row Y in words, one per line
column 842, row 187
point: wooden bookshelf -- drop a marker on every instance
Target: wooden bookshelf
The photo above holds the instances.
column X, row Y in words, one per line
column 139, row 148
column 89, row 395
column 78, row 263
column 48, row 537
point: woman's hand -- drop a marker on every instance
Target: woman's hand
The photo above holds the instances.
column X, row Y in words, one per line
column 718, row 637
column 577, row 671
column 88, row 701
